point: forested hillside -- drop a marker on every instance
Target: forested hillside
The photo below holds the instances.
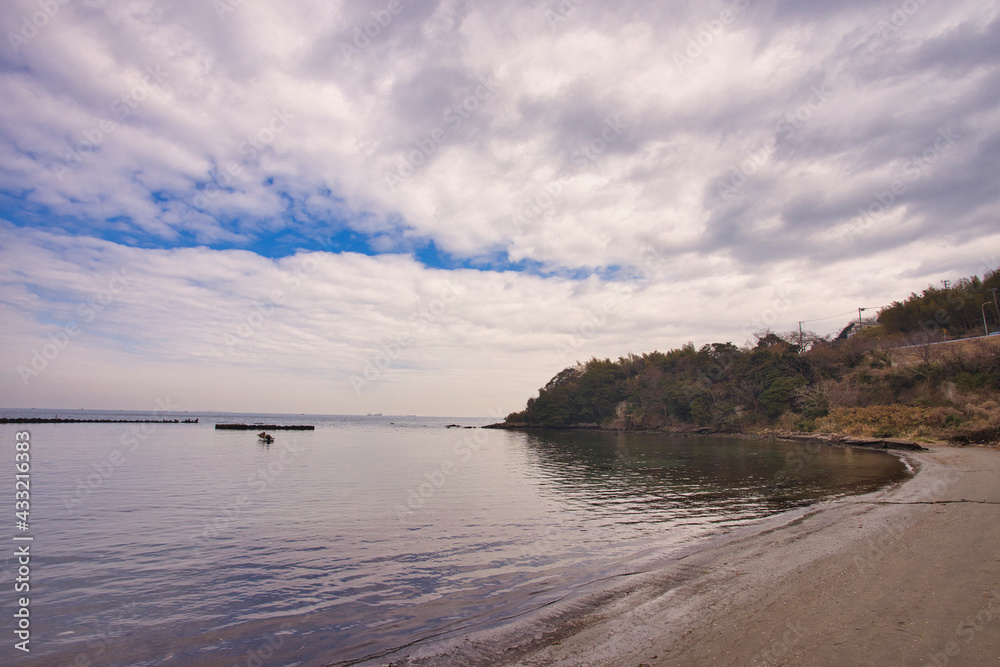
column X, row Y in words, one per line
column 956, row 308
column 848, row 386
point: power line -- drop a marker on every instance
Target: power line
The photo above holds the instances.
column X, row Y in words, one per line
column 820, row 319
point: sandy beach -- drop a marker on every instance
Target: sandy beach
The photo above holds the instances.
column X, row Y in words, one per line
column 906, row 576
column 909, row 575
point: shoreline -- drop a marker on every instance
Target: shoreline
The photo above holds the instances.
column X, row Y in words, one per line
column 720, row 432
column 891, row 577
column 909, row 574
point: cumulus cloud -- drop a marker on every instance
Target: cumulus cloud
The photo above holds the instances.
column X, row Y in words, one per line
column 486, row 128
column 349, row 333
column 663, row 156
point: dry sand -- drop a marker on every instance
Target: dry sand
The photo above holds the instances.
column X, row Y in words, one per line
column 906, row 576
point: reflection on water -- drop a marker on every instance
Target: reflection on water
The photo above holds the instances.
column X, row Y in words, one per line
column 208, row 547
column 612, row 471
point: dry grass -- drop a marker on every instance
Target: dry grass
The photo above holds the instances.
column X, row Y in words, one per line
column 937, row 352
column 974, row 422
column 879, row 421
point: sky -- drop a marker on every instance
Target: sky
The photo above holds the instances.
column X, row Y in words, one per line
column 432, row 207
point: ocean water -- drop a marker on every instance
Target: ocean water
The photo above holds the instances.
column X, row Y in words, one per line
column 178, row 544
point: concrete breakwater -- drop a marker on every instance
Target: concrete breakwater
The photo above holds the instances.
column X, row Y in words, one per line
column 265, row 427
column 57, row 420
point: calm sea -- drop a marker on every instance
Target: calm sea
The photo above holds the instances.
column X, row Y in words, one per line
column 177, row 544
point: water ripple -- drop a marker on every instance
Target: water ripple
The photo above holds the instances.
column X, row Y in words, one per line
column 359, row 541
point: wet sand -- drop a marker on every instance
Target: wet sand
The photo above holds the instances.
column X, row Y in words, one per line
column 906, row 576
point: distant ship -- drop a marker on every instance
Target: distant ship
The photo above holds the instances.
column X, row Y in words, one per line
column 374, row 414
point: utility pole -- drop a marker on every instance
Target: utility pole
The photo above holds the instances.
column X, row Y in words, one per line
column 800, row 337
column 995, row 305
column 860, row 323
column 985, row 328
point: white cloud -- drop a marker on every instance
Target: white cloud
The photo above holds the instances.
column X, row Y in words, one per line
column 348, row 333
column 711, row 153
column 698, row 89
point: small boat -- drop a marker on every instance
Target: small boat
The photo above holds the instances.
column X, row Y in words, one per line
column 264, row 436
